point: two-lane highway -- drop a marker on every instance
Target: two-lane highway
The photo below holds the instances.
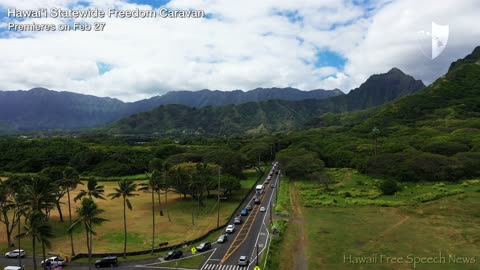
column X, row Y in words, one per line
column 251, row 237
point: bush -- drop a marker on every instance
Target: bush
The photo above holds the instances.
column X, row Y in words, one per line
column 389, row 187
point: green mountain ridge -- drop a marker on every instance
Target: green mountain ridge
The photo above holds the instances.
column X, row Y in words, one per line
column 265, row 116
column 433, row 135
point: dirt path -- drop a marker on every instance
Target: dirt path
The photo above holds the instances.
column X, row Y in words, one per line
column 300, row 258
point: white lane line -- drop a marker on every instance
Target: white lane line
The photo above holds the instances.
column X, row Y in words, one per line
column 263, row 223
column 215, row 249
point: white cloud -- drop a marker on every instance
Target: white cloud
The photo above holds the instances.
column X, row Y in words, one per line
column 247, row 45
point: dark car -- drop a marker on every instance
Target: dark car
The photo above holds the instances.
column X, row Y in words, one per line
column 107, row 262
column 243, row 261
column 174, row 254
column 244, row 212
column 222, row 238
column 257, row 201
column 204, row 246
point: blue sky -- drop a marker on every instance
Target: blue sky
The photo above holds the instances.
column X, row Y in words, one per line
column 241, row 45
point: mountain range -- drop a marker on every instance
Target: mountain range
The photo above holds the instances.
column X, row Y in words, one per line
column 265, row 116
column 43, row 109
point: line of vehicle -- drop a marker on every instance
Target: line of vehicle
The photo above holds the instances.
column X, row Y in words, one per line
column 230, row 251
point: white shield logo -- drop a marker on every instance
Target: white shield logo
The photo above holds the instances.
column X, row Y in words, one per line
column 433, row 42
column 439, row 38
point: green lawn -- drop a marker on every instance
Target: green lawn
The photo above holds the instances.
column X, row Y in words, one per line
column 449, row 226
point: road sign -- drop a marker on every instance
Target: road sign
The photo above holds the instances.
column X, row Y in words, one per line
column 256, row 268
column 194, row 250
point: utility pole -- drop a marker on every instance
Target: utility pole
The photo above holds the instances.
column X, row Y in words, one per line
column 19, row 247
column 278, row 185
column 271, row 217
column 218, row 199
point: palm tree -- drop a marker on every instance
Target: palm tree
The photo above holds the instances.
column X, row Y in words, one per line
column 88, row 215
column 37, row 195
column 71, row 180
column 93, row 191
column 126, row 189
column 166, row 187
column 38, row 229
column 151, row 185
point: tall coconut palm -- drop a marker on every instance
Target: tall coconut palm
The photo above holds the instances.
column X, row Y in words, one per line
column 88, row 215
column 54, row 175
column 93, row 191
column 38, row 229
column 126, row 189
column 166, row 187
column 38, row 195
column 71, row 180
column 150, row 186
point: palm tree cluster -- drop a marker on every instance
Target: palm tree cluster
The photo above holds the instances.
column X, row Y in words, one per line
column 34, row 198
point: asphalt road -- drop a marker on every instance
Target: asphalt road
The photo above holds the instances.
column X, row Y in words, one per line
column 249, row 237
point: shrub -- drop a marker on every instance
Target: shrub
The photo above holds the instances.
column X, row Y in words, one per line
column 389, row 187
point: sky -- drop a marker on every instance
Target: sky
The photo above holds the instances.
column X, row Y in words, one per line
column 245, row 44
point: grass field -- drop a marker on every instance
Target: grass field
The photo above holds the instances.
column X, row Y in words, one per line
column 443, row 229
column 109, row 237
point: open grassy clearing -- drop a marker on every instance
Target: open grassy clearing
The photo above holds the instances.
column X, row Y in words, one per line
column 449, row 225
column 109, row 237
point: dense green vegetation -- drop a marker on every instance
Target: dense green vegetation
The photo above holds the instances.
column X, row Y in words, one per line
column 432, row 135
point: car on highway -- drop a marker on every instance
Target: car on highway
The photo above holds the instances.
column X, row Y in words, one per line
column 262, row 209
column 244, row 212
column 243, row 261
column 222, row 238
column 272, row 185
column 237, row 220
column 257, row 201
column 109, row 261
column 14, row 268
column 249, row 207
column 174, row 254
column 54, row 261
column 230, row 228
column 15, row 253
column 204, row 246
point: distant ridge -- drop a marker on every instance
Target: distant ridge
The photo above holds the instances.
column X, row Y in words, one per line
column 43, row 109
column 265, row 116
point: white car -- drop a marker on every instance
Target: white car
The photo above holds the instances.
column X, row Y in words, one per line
column 15, row 253
column 14, row 268
column 262, row 209
column 54, row 261
column 230, row 229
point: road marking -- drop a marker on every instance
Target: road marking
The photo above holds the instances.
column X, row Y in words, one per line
column 215, row 249
column 232, row 249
